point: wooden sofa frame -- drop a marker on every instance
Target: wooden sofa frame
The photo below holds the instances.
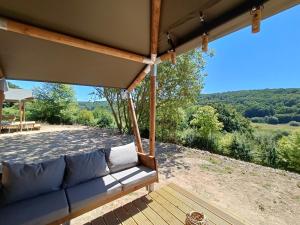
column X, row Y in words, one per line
column 145, row 160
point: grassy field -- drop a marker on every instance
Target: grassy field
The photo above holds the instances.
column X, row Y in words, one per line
column 275, row 128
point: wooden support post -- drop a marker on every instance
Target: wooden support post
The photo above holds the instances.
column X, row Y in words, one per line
column 152, row 109
column 32, row 31
column 20, row 115
column 2, row 97
column 135, row 127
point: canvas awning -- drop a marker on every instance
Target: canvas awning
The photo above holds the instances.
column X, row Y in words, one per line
column 124, row 25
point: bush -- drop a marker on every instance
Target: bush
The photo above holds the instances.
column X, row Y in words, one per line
column 103, row 117
column 191, row 138
column 86, row 117
column 271, row 120
column 240, row 147
column 267, row 152
column 258, row 120
column 289, row 152
column 294, row 124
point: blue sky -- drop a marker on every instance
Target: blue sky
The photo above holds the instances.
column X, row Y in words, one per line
column 269, row 59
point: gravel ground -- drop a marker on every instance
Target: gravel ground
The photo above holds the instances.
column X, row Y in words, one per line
column 259, row 194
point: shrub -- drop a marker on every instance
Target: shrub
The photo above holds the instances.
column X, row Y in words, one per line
column 294, row 124
column 289, row 152
column 103, row 117
column 85, row 117
column 240, row 147
column 267, row 152
column 271, row 120
column 258, row 120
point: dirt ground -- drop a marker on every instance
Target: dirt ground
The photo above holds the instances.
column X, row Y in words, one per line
column 262, row 195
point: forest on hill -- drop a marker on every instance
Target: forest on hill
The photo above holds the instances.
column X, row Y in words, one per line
column 274, row 106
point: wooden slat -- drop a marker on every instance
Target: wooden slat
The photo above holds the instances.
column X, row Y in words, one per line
column 196, row 207
column 124, row 217
column 111, row 219
column 40, row 33
column 222, row 213
column 138, row 216
column 139, row 78
column 164, row 214
column 98, row 221
column 179, row 204
column 168, row 206
column 149, row 212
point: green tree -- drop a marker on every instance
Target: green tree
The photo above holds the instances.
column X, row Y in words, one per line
column 289, row 152
column 12, row 85
column 103, row 117
column 55, row 104
column 178, row 87
column 205, row 121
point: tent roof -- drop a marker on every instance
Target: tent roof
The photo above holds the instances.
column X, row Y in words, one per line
column 120, row 24
column 15, row 95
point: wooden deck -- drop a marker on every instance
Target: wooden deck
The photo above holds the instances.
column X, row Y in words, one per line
column 167, row 205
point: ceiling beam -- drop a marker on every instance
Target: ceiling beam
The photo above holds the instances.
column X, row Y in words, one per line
column 40, row 33
column 139, row 78
column 155, row 17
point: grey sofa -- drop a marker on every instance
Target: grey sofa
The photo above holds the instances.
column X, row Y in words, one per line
column 57, row 190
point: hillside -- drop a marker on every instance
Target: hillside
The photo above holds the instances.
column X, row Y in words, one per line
column 282, row 105
column 92, row 105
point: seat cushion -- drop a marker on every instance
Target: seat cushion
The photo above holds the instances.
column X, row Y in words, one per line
column 21, row 181
column 132, row 176
column 39, row 210
column 85, row 166
column 81, row 195
column 121, row 157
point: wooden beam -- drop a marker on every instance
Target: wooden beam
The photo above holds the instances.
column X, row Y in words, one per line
column 155, row 17
column 139, row 78
column 2, row 97
column 32, row 31
column 135, row 126
column 20, row 115
column 152, row 110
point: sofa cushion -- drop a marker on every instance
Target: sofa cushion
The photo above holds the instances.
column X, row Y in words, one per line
column 81, row 195
column 134, row 175
column 35, row 211
column 21, row 181
column 121, row 157
column 85, row 166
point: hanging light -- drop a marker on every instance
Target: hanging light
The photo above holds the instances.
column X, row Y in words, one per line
column 204, row 37
column 256, row 18
column 172, row 51
column 204, row 42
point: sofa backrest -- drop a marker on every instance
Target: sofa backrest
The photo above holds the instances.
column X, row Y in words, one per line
column 21, row 181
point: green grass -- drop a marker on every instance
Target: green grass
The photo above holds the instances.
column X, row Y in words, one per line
column 274, row 128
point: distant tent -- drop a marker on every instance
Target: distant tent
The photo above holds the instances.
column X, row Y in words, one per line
column 17, row 95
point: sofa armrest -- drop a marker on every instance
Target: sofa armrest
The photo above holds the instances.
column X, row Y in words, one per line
column 148, row 161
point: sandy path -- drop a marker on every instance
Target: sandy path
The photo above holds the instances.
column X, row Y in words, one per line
column 261, row 195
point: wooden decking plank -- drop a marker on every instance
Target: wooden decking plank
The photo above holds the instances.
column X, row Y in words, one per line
column 137, row 215
column 181, row 205
column 98, row 221
column 226, row 216
column 164, row 214
column 124, row 217
column 111, row 219
column 149, row 212
column 196, row 207
column 168, row 206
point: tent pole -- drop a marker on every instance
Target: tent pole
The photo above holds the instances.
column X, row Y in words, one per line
column 20, row 115
column 2, row 97
column 152, row 109
column 135, row 124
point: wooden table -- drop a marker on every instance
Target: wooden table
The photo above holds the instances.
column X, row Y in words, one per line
column 167, row 205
